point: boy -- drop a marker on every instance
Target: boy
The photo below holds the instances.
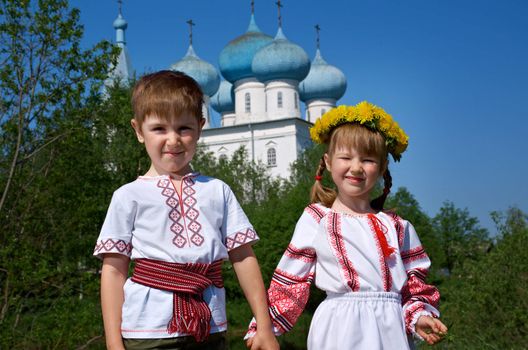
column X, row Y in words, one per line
column 178, row 226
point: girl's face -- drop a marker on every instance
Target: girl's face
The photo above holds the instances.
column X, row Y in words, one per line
column 355, row 174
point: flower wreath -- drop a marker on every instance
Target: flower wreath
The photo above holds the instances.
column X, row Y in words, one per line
column 368, row 115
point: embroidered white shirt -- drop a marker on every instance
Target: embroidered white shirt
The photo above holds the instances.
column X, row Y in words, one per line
column 148, row 219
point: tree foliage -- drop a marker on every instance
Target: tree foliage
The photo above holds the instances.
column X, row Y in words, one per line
column 486, row 299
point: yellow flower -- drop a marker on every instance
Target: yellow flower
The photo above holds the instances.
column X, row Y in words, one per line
column 366, row 114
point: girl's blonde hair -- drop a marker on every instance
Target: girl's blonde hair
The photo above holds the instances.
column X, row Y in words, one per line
column 365, row 141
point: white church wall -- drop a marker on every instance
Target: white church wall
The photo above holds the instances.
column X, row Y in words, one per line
column 257, row 107
column 285, row 106
column 288, row 137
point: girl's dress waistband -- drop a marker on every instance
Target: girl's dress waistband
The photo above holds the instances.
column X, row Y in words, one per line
column 365, row 296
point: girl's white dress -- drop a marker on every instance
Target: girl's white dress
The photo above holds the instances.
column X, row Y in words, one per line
column 372, row 302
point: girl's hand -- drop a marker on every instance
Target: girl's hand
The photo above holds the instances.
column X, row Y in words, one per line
column 431, row 329
column 263, row 342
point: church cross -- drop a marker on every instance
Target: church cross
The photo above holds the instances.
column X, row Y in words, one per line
column 279, row 5
column 191, row 24
column 317, row 29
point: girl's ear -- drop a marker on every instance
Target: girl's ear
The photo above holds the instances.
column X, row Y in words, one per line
column 137, row 129
column 326, row 158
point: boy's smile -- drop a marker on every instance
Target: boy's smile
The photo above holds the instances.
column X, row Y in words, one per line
column 170, row 143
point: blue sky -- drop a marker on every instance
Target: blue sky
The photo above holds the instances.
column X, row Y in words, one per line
column 453, row 73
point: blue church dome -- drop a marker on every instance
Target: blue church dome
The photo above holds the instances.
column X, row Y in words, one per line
column 236, row 58
column 223, row 100
column 323, row 81
column 281, row 59
column 120, row 22
column 201, row 71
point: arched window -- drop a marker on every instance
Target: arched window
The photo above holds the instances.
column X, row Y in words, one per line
column 222, row 158
column 248, row 102
column 279, row 99
column 323, row 111
column 296, row 103
column 272, row 157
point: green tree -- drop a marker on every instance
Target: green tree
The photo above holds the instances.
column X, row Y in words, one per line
column 486, row 300
column 49, row 90
column 460, row 236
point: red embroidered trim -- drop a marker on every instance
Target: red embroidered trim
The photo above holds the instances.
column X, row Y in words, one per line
column 413, row 254
column 398, row 225
column 306, row 255
column 338, row 246
column 174, row 215
column 190, row 212
column 384, row 268
column 110, row 245
column 417, row 290
column 187, row 205
column 287, row 301
column 409, row 314
column 315, row 212
column 285, row 278
column 240, row 238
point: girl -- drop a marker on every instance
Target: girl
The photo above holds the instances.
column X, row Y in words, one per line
column 370, row 263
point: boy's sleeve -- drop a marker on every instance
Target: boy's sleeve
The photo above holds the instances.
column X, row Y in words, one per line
column 236, row 228
column 290, row 284
column 116, row 233
column 418, row 297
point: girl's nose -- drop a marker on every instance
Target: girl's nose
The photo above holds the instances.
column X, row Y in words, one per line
column 355, row 166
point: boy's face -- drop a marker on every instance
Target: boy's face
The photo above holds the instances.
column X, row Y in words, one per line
column 170, row 144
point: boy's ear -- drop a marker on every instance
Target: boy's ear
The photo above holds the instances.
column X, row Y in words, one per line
column 137, row 129
column 327, row 162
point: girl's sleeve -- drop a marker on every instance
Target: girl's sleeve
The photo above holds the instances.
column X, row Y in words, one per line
column 116, row 232
column 290, row 284
column 418, row 297
column 236, row 228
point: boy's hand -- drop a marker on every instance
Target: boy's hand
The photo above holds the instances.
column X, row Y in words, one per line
column 263, row 342
column 431, row 329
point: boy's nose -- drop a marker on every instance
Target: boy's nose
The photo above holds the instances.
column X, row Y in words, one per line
column 173, row 138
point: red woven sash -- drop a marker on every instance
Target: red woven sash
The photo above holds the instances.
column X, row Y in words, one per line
column 191, row 314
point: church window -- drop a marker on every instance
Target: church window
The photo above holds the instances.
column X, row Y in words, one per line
column 272, row 157
column 248, row 102
column 323, row 111
column 296, row 102
column 279, row 99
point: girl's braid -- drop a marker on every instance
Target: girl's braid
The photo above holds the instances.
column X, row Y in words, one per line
column 377, row 203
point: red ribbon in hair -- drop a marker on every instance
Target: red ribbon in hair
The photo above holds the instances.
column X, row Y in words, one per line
column 381, row 230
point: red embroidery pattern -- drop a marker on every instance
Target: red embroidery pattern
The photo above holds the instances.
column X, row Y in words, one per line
column 413, row 254
column 110, row 245
column 398, row 225
column 288, row 295
column 306, row 255
column 417, row 290
column 409, row 315
column 315, row 211
column 240, row 238
column 191, row 214
column 172, row 201
column 338, row 246
column 187, row 206
column 385, row 272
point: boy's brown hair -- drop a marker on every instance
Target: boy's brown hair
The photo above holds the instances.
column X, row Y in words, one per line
column 166, row 94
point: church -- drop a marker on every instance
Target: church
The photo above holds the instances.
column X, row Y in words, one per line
column 262, row 82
